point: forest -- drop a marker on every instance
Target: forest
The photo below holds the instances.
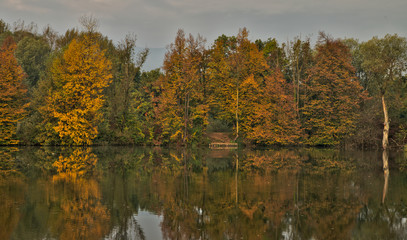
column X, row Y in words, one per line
column 81, row 88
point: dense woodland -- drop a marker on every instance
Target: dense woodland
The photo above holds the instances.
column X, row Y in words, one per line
column 81, row 88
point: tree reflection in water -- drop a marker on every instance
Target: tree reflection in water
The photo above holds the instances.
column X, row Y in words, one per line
column 275, row 194
column 12, row 191
column 83, row 216
column 386, row 172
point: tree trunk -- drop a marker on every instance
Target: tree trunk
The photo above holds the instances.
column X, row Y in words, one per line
column 186, row 115
column 237, row 115
column 385, row 145
column 386, row 125
column 298, row 94
column 237, row 172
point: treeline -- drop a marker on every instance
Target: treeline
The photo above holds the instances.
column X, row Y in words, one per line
column 80, row 88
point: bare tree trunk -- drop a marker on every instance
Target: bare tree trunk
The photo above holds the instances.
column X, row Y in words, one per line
column 298, row 94
column 237, row 172
column 386, row 125
column 186, row 113
column 237, row 115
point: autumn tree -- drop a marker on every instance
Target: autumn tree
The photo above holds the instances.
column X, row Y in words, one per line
column 236, row 66
column 299, row 58
column 333, row 95
column 13, row 99
column 384, row 62
column 275, row 121
column 183, row 109
column 79, row 78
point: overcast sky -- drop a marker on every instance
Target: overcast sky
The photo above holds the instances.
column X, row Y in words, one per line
column 155, row 22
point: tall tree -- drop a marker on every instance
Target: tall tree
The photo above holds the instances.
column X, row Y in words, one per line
column 384, row 61
column 13, row 99
column 32, row 54
column 4, row 30
column 122, row 90
column 147, row 96
column 235, row 61
column 79, row 78
column 183, row 109
column 275, row 121
column 367, row 133
column 299, row 55
column 64, row 40
column 274, row 54
column 333, row 94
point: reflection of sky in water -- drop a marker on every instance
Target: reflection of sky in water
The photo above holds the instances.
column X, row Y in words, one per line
column 306, row 202
column 142, row 226
column 150, row 224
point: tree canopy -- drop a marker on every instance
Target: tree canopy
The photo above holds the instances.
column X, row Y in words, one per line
column 81, row 88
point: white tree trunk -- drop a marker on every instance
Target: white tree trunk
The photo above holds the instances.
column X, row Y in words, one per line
column 386, row 125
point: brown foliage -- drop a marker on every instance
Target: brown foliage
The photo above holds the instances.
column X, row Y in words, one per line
column 13, row 100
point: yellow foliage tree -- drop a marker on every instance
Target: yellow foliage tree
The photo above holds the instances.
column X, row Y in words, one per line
column 236, row 72
column 79, row 78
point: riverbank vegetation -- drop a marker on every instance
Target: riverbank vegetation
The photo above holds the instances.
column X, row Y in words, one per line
column 81, row 88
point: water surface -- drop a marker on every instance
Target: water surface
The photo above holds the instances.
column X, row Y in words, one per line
column 155, row 193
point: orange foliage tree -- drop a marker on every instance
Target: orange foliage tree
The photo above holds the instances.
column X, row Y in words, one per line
column 79, row 78
column 13, row 99
column 333, row 95
column 274, row 119
column 183, row 105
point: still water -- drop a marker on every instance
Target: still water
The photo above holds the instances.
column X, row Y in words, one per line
column 156, row 193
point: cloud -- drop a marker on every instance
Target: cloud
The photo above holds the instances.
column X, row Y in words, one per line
column 25, row 6
column 156, row 21
column 105, row 6
column 277, row 7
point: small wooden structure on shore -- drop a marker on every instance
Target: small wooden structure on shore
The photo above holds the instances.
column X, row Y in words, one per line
column 223, row 145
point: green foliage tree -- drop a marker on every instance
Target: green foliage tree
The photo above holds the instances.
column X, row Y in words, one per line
column 368, row 134
column 273, row 53
column 384, row 62
column 63, row 40
column 123, row 125
column 21, row 29
column 4, row 30
column 146, row 103
column 32, row 54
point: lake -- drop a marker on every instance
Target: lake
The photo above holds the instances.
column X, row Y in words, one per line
column 158, row 193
